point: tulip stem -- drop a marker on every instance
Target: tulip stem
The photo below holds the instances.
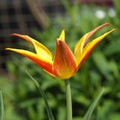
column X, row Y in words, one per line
column 68, row 100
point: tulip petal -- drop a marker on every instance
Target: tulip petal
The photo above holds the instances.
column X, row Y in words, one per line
column 41, row 50
column 81, row 43
column 90, row 46
column 45, row 65
column 64, row 64
column 62, row 36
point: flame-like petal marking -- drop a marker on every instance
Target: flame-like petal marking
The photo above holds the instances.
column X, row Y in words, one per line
column 47, row 66
column 90, row 46
column 64, row 64
column 41, row 50
column 81, row 43
column 62, row 36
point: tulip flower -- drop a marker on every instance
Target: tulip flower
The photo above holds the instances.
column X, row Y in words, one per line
column 65, row 63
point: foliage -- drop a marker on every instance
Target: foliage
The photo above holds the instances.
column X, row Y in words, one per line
column 22, row 100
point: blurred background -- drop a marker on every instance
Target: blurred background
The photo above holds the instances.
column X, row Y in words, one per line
column 44, row 20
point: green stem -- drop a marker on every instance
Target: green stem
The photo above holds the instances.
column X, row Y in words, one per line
column 68, row 100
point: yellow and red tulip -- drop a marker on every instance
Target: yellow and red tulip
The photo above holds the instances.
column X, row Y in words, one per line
column 64, row 64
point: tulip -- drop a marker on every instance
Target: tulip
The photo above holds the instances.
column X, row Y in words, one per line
column 65, row 63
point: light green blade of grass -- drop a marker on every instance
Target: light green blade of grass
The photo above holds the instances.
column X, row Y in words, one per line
column 1, row 107
column 92, row 107
column 49, row 111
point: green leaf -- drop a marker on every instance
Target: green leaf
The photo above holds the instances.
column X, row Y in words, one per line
column 112, row 48
column 92, row 107
column 49, row 112
column 102, row 64
column 1, row 107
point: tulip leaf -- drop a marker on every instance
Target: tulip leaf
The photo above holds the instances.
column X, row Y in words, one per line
column 49, row 112
column 92, row 106
column 1, row 107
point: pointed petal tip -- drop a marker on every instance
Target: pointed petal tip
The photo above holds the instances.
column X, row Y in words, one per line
column 16, row 35
column 63, row 30
column 14, row 50
column 114, row 29
column 11, row 49
column 7, row 48
column 62, row 35
column 107, row 24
